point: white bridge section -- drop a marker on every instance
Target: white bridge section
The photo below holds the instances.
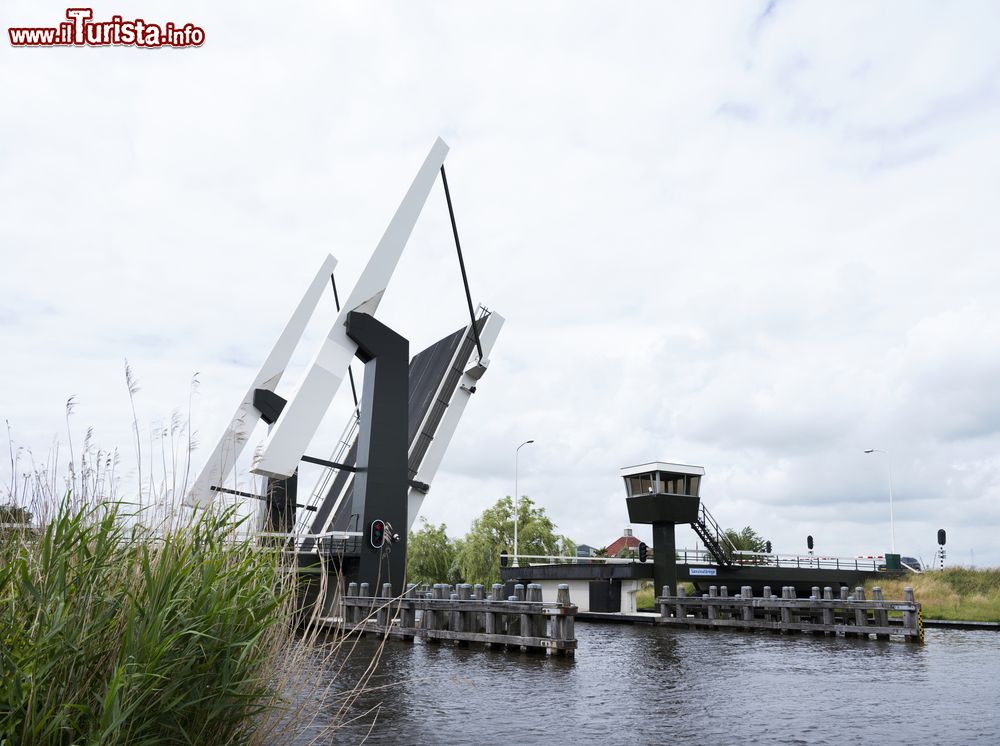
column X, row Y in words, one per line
column 289, row 438
column 223, row 458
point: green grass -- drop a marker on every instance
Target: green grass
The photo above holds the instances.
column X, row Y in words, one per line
column 957, row 593
column 110, row 634
column 645, row 599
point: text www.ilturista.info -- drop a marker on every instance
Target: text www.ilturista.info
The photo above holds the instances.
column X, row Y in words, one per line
column 81, row 31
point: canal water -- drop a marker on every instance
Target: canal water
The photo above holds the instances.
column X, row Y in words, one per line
column 648, row 685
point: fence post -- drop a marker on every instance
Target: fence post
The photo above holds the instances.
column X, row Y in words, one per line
column 461, row 615
column 567, row 623
column 680, row 611
column 455, row 616
column 538, row 620
column 526, row 625
column 385, row 614
column 512, row 619
column 747, row 593
column 828, row 607
column 494, row 621
column 881, row 613
column 432, row 617
column 860, row 615
column 665, row 593
column 365, row 609
column 407, row 614
column 350, row 611
column 911, row 622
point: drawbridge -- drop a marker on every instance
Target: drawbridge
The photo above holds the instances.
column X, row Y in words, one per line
column 377, row 475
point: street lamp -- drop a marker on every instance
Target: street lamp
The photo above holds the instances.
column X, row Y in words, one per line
column 517, row 498
column 892, row 525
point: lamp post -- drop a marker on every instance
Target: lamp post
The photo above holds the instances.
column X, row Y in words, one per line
column 517, row 498
column 892, row 524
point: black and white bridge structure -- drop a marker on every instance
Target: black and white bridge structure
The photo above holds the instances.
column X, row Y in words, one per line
column 665, row 495
column 376, row 477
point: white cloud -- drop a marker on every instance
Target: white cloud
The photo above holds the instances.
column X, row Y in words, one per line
column 759, row 242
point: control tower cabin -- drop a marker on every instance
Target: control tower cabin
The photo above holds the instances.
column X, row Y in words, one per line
column 663, row 495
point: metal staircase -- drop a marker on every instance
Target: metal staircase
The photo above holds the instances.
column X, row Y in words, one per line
column 713, row 537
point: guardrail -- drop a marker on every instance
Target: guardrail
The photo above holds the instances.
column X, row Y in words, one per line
column 704, row 557
column 329, row 543
column 759, row 559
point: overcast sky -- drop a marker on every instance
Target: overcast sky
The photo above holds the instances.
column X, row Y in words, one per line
column 758, row 237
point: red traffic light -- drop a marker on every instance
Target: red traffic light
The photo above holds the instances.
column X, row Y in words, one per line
column 378, row 533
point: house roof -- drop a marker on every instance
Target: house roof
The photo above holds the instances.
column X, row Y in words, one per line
column 621, row 543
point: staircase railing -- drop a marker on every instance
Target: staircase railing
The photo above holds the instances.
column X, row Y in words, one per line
column 322, row 487
column 715, row 539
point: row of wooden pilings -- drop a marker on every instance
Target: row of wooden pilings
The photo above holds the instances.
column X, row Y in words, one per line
column 465, row 613
column 848, row 614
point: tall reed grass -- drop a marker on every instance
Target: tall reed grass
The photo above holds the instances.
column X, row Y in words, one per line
column 142, row 622
column 112, row 634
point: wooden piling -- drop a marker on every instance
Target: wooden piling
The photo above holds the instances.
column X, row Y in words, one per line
column 860, row 614
column 350, row 612
column 828, row 608
column 567, row 621
column 819, row 614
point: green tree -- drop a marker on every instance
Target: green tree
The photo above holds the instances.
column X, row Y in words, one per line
column 478, row 559
column 455, row 572
column 746, row 540
column 11, row 513
column 430, row 554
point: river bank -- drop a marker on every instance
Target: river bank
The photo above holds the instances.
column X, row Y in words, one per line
column 955, row 594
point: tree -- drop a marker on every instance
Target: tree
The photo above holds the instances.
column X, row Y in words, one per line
column 430, row 554
column 492, row 532
column 746, row 540
column 11, row 513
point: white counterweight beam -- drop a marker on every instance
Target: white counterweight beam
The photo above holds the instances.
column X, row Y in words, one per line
column 290, row 436
column 220, row 463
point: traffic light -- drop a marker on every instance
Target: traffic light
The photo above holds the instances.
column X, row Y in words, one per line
column 941, row 536
column 809, row 542
column 643, row 549
column 378, row 533
column 767, row 547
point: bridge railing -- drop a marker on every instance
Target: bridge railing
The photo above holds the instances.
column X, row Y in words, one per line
column 328, row 543
column 807, row 562
column 741, row 558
